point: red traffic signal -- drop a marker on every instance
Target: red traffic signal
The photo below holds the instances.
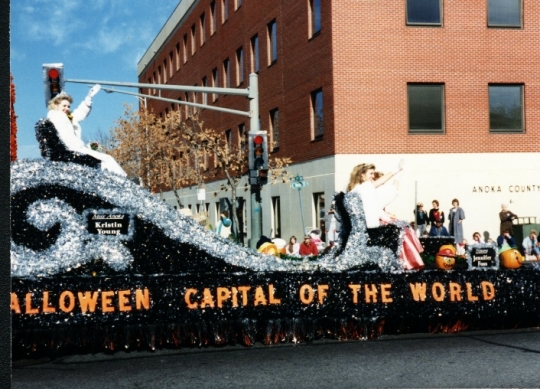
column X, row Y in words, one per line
column 54, row 73
column 53, row 80
column 258, row 158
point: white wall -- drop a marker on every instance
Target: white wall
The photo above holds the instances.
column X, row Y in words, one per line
column 481, row 183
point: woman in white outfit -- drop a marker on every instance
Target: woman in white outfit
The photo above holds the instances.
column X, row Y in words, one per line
column 374, row 200
column 69, row 129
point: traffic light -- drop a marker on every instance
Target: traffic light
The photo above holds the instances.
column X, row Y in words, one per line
column 258, row 158
column 53, row 80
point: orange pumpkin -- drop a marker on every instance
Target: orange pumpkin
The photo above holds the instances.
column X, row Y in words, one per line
column 269, row 248
column 445, row 258
column 511, row 259
column 448, row 246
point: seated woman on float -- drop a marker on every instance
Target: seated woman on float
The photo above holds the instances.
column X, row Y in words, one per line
column 375, row 197
column 69, row 129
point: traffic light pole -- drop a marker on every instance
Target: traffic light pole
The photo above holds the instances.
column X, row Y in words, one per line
column 252, row 93
column 256, row 209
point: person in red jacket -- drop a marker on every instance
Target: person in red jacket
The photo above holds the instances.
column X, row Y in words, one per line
column 307, row 247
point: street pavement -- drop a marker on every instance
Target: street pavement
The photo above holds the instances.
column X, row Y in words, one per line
column 483, row 359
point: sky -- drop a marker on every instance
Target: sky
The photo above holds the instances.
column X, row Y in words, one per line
column 99, row 40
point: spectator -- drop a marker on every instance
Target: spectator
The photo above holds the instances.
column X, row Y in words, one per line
column 293, row 247
column 438, row 229
column 531, row 246
column 507, row 217
column 224, row 226
column 477, row 239
column 505, row 241
column 455, row 221
column 332, row 225
column 421, row 219
column 307, row 247
column 435, row 214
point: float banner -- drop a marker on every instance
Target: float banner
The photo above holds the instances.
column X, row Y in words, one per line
column 114, row 300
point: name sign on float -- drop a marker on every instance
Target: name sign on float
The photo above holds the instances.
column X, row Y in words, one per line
column 483, row 257
column 108, row 224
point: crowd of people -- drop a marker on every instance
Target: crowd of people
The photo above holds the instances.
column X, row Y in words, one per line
column 436, row 218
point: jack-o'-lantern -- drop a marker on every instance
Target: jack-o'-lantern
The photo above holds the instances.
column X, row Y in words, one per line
column 445, row 259
column 511, row 259
column 448, row 246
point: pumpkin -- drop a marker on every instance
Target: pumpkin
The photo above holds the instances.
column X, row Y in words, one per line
column 445, row 258
column 511, row 259
column 269, row 248
column 448, row 246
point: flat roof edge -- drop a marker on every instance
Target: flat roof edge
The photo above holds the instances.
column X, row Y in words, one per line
column 164, row 34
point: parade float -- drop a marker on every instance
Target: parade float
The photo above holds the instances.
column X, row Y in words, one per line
column 100, row 264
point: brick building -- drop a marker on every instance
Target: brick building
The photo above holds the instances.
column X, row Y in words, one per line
column 451, row 87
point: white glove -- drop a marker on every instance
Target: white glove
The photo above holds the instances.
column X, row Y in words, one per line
column 94, row 90
column 91, row 93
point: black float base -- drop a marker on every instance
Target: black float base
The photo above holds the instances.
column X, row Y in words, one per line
column 65, row 315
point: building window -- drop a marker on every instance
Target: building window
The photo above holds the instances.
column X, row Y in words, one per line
column 165, row 71
column 504, row 13
column 318, row 210
column 204, row 95
column 206, row 165
column 177, row 54
column 193, row 39
column 426, row 108
column 317, row 122
column 171, row 61
column 184, row 48
column 242, row 138
column 153, row 82
column 202, row 27
column 237, row 4
column 276, row 217
column 228, row 138
column 240, row 66
column 226, row 73
column 186, row 107
column 274, row 128
column 194, row 96
column 159, row 75
column 255, row 54
column 506, row 108
column 215, row 83
column 314, row 17
column 224, row 11
column 213, row 17
column 424, row 12
column 272, row 42
column 217, row 211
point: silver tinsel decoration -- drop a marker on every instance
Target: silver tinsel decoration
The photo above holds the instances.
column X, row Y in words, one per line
column 75, row 246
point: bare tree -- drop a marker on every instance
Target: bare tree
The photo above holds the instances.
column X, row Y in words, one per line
column 170, row 153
